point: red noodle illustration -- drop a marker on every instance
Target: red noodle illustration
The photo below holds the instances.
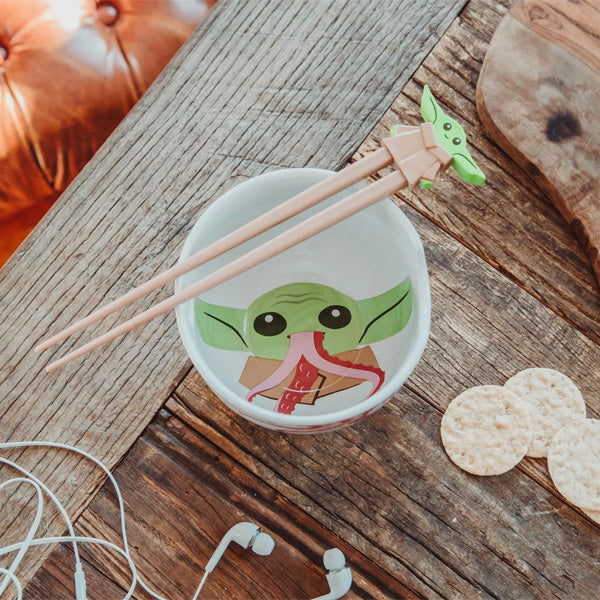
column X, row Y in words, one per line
column 307, row 355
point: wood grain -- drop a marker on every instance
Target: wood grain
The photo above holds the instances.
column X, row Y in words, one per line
column 534, row 97
column 182, row 493
column 260, row 85
column 509, row 222
column 462, row 536
column 55, row 579
column 571, row 24
column 385, row 485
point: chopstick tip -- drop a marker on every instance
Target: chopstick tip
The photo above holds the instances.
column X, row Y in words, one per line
column 52, row 367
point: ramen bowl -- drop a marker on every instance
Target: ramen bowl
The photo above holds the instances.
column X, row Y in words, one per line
column 324, row 333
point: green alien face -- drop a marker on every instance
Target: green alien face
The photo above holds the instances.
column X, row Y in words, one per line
column 451, row 136
column 264, row 328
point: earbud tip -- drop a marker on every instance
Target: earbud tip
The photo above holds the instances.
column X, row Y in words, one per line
column 334, row 559
column 263, row 544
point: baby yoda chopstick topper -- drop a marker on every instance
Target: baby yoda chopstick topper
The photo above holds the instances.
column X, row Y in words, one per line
column 308, row 340
column 452, row 137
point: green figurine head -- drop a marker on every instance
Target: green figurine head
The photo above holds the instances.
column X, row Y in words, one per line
column 266, row 326
column 452, row 137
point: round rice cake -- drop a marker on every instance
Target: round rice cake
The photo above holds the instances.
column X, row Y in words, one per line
column 486, row 430
column 553, row 401
column 574, row 463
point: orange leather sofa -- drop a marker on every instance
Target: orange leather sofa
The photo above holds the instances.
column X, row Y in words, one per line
column 70, row 70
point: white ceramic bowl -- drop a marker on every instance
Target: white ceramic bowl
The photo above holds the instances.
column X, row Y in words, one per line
column 345, row 309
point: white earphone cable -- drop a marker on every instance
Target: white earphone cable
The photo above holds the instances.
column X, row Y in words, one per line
column 51, row 495
column 82, row 539
column 80, row 586
column 201, row 584
column 9, row 574
column 72, row 538
column 15, row 582
column 79, row 576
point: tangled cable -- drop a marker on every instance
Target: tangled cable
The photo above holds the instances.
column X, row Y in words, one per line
column 30, row 540
column 247, row 535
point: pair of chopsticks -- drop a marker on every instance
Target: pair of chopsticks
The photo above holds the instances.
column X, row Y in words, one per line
column 414, row 151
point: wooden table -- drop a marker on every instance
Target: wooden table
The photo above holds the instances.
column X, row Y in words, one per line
column 281, row 84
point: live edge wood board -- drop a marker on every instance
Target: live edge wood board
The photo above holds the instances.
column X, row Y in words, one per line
column 538, row 97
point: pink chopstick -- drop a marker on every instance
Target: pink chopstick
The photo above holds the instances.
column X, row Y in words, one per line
column 313, row 195
column 315, row 224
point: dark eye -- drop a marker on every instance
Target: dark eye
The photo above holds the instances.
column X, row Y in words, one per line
column 335, row 317
column 269, row 323
column 447, row 126
column 456, row 141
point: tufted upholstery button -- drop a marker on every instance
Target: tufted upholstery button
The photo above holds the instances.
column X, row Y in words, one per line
column 108, row 13
column 3, row 54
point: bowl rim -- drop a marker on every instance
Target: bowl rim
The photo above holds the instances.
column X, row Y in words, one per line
column 267, row 417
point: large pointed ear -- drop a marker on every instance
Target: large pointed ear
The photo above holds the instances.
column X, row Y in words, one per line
column 386, row 314
column 220, row 326
column 430, row 109
column 467, row 169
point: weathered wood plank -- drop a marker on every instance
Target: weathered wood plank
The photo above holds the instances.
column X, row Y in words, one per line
column 499, row 537
column 509, row 222
column 182, row 493
column 260, row 85
column 55, row 579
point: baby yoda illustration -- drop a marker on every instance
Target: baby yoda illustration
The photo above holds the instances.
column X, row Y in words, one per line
column 308, row 340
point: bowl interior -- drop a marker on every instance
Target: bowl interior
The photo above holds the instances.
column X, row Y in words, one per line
column 360, row 258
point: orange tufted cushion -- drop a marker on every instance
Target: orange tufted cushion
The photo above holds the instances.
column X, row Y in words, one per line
column 70, row 70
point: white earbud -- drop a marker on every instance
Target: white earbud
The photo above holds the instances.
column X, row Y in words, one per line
column 339, row 576
column 246, row 535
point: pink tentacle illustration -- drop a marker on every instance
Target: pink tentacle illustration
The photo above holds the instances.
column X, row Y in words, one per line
column 307, row 355
column 306, row 374
column 292, row 358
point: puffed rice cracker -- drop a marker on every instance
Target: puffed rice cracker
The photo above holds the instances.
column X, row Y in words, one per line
column 553, row 400
column 486, row 430
column 574, row 463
